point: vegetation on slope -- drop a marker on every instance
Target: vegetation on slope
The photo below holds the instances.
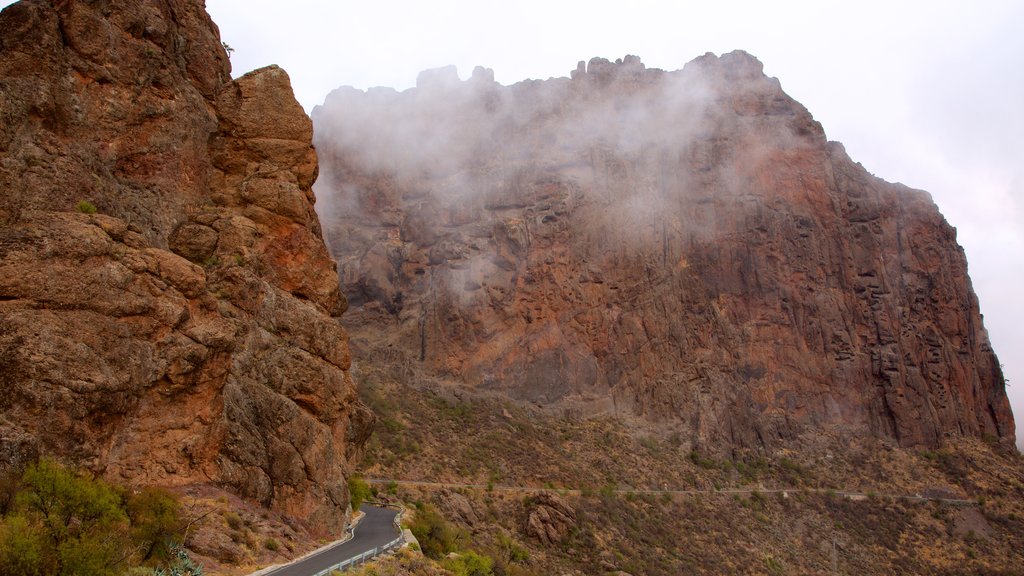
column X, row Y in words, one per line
column 61, row 521
column 600, row 467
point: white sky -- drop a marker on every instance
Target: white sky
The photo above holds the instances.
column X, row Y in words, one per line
column 928, row 93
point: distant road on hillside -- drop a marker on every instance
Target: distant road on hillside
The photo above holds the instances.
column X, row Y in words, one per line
column 851, row 494
column 376, row 529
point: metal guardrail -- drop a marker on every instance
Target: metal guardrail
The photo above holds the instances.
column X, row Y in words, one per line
column 365, row 556
column 370, row 554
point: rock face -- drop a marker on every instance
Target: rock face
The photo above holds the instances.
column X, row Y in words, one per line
column 549, row 519
column 684, row 246
column 186, row 332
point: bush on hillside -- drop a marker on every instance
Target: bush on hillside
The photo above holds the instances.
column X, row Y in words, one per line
column 359, row 491
column 67, row 522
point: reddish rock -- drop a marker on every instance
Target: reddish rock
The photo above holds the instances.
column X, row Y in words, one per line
column 549, row 519
column 683, row 246
column 186, row 332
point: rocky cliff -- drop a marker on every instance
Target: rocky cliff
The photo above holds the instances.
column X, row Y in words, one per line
column 168, row 310
column 686, row 247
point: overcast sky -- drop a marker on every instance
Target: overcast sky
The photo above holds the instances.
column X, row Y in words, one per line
column 930, row 94
column 927, row 93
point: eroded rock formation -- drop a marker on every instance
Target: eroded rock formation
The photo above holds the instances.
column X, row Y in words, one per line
column 684, row 246
column 550, row 519
column 186, row 332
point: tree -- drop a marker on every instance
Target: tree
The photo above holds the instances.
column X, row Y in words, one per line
column 69, row 523
column 79, row 518
column 22, row 547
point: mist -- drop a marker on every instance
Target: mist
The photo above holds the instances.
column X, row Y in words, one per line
column 627, row 240
column 469, row 145
column 929, row 101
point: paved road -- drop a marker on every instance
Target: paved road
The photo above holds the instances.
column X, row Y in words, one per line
column 377, row 528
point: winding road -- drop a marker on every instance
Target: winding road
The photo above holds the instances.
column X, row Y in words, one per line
column 377, row 528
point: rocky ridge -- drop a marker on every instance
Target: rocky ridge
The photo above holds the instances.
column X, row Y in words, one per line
column 683, row 247
column 168, row 310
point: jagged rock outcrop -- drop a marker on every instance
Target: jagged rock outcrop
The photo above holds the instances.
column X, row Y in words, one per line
column 684, row 246
column 549, row 519
column 186, row 332
column 457, row 507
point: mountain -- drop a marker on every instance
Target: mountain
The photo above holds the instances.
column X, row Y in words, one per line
column 627, row 321
column 646, row 322
column 683, row 247
column 168, row 309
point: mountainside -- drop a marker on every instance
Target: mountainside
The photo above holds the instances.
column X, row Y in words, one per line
column 682, row 247
column 168, row 309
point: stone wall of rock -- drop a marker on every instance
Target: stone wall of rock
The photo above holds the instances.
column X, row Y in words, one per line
column 186, row 332
column 684, row 246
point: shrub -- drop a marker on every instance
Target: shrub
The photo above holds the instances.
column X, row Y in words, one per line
column 181, row 564
column 271, row 544
column 21, row 547
column 85, row 207
column 510, row 551
column 774, row 566
column 359, row 491
column 234, row 520
column 469, row 564
column 67, row 522
column 156, row 522
column 757, row 499
column 705, row 463
column 608, row 490
column 437, row 537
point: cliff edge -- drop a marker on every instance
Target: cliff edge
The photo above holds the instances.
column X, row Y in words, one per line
column 168, row 309
column 684, row 247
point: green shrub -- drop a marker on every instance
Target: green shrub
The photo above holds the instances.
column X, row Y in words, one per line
column 437, row 537
column 358, row 490
column 271, row 544
column 155, row 517
column 469, row 564
column 608, row 490
column 705, row 463
column 774, row 566
column 757, row 500
column 510, row 551
column 22, row 546
column 66, row 522
column 85, row 207
column 182, row 564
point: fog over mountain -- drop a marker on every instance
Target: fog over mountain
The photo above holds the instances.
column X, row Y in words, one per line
column 685, row 247
column 918, row 92
column 921, row 93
